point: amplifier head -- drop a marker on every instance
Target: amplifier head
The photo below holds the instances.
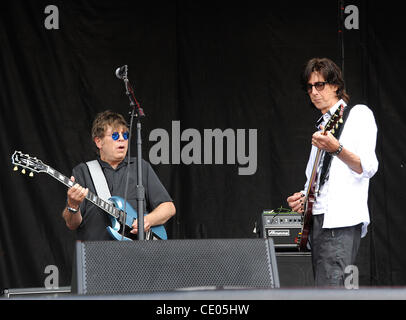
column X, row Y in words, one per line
column 283, row 226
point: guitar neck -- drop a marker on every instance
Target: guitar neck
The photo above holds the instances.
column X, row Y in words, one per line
column 313, row 176
column 104, row 205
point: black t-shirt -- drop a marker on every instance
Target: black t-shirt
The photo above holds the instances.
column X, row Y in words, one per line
column 95, row 220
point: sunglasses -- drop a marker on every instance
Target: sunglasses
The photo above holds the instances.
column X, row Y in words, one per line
column 116, row 135
column 318, row 85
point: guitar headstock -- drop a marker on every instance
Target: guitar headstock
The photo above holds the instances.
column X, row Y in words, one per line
column 25, row 161
column 335, row 120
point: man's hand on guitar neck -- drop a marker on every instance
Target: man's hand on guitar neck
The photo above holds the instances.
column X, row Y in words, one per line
column 329, row 143
column 71, row 213
column 325, row 141
column 296, row 202
column 76, row 195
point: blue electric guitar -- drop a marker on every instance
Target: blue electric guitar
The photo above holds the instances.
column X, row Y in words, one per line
column 121, row 214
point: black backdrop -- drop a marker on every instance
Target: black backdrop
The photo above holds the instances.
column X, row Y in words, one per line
column 207, row 64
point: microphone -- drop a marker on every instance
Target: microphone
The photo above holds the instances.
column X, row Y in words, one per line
column 121, row 72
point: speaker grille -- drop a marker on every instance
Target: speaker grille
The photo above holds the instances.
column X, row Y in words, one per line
column 112, row 267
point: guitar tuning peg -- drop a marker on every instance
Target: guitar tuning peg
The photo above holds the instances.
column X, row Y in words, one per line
column 337, row 126
column 15, row 168
column 23, row 171
column 341, row 120
column 332, row 131
column 31, row 174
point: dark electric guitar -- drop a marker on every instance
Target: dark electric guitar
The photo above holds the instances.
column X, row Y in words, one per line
column 118, row 210
column 311, row 193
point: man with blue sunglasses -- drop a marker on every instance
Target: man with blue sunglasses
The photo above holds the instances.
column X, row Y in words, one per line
column 110, row 135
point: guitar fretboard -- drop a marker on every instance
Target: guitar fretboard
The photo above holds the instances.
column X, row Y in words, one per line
column 104, row 205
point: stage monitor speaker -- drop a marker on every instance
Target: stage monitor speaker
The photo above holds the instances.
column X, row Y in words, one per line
column 121, row 267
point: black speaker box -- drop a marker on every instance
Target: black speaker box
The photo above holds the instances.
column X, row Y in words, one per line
column 121, row 267
column 295, row 269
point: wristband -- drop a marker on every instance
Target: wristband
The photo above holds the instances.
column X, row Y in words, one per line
column 72, row 210
column 337, row 152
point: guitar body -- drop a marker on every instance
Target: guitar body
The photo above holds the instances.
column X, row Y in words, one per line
column 131, row 215
column 307, row 221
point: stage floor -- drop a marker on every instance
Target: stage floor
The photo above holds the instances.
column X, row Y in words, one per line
column 213, row 293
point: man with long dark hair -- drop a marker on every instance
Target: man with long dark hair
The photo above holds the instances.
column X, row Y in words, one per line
column 340, row 214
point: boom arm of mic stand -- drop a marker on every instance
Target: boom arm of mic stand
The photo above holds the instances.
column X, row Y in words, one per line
column 133, row 101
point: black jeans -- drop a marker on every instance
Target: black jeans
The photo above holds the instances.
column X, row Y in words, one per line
column 332, row 251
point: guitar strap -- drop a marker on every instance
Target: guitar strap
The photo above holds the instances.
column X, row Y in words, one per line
column 102, row 189
column 327, row 157
column 99, row 180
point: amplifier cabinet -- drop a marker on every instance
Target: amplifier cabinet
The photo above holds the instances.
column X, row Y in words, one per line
column 295, row 269
column 283, row 227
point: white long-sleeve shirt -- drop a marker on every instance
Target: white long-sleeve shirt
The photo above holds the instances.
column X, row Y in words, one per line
column 343, row 199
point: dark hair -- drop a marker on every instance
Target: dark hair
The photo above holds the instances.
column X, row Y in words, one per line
column 331, row 73
column 105, row 118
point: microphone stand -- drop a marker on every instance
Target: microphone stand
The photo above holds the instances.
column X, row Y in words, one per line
column 138, row 113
